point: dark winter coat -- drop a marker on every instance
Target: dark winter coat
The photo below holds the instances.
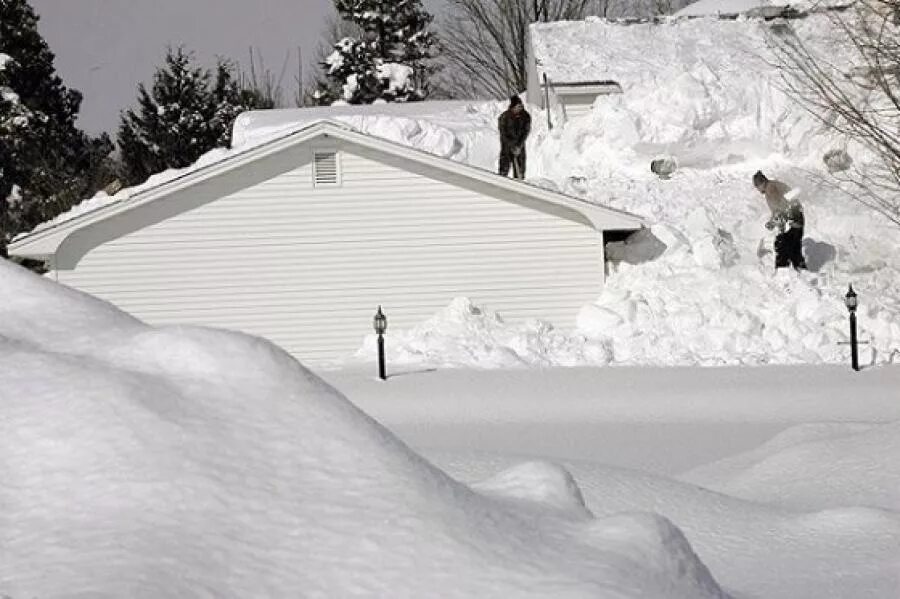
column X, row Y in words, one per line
column 514, row 129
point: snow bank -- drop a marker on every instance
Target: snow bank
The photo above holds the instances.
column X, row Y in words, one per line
column 464, row 334
column 756, row 549
column 703, row 90
column 188, row 462
column 816, row 467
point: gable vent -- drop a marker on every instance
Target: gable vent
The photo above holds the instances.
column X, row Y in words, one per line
column 325, row 169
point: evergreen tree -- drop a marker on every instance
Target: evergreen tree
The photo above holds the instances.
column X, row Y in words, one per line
column 46, row 163
column 390, row 61
column 185, row 114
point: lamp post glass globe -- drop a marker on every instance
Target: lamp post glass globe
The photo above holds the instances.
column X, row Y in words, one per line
column 380, row 322
column 850, row 300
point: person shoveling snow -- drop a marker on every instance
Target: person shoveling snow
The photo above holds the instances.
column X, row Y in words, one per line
column 787, row 219
column 514, row 126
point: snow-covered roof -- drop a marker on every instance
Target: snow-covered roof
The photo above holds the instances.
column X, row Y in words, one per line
column 47, row 240
column 259, row 125
column 753, row 7
column 634, row 53
column 459, row 131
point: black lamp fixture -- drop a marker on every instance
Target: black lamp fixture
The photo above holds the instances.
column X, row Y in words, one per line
column 852, row 302
column 380, row 324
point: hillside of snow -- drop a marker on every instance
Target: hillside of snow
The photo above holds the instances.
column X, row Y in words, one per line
column 189, row 462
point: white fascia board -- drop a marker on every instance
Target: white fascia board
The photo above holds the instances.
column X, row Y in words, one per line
column 576, row 89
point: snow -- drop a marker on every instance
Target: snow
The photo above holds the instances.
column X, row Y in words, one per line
column 190, row 462
column 5, row 59
column 9, row 95
column 815, row 467
column 725, row 7
column 737, row 7
column 14, row 197
column 397, row 75
column 833, row 537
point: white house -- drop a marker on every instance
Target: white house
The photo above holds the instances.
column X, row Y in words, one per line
column 299, row 239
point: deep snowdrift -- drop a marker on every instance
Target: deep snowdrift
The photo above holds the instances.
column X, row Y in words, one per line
column 189, row 462
column 816, row 466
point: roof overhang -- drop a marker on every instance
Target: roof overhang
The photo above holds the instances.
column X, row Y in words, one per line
column 72, row 235
column 599, row 88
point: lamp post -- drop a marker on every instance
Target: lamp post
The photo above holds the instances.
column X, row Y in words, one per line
column 380, row 323
column 851, row 301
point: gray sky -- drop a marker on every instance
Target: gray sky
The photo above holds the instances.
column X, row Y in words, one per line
column 104, row 48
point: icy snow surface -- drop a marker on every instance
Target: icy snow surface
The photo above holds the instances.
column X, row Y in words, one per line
column 188, row 462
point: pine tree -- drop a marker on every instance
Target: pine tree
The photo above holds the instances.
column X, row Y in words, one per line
column 46, row 163
column 185, row 114
column 390, row 61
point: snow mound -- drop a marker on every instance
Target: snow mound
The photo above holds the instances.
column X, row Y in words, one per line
column 757, row 549
column 816, row 466
column 450, row 129
column 686, row 88
column 542, row 482
column 466, row 335
column 189, row 462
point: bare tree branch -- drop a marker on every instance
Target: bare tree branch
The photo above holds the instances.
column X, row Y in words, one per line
column 860, row 100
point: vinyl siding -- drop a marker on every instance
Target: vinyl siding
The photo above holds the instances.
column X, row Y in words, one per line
column 578, row 105
column 306, row 267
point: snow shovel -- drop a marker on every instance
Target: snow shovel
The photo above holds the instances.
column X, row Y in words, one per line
column 515, row 166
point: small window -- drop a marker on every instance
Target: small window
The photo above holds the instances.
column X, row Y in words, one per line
column 325, row 169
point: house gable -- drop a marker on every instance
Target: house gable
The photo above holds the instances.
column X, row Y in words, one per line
column 68, row 243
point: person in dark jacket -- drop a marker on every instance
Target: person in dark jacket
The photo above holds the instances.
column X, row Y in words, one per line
column 787, row 218
column 514, row 126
